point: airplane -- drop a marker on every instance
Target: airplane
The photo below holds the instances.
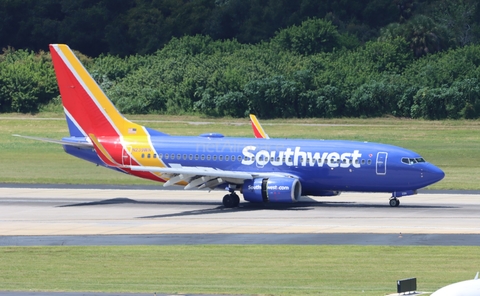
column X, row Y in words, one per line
column 274, row 171
column 465, row 288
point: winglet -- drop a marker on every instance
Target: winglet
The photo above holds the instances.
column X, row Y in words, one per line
column 476, row 277
column 257, row 128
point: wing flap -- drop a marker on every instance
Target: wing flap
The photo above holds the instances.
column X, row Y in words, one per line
column 194, row 171
column 203, row 177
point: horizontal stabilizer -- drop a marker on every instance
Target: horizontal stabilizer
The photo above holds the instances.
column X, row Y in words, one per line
column 61, row 142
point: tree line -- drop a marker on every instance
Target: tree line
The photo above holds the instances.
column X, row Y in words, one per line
column 312, row 69
column 124, row 28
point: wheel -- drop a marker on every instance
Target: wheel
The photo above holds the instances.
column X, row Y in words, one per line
column 236, row 198
column 229, row 201
column 394, row 202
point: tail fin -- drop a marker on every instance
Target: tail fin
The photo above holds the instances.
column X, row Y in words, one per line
column 87, row 108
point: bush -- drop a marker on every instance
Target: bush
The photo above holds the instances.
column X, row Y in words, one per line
column 461, row 100
column 27, row 81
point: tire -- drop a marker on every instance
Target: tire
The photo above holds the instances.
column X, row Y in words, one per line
column 394, row 202
column 229, row 201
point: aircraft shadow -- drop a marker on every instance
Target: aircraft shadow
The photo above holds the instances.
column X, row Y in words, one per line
column 124, row 200
column 244, row 206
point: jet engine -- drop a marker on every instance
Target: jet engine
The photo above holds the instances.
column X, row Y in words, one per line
column 275, row 189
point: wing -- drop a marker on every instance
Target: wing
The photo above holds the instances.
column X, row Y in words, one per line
column 202, row 177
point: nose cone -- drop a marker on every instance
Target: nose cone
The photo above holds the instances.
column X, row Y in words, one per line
column 432, row 174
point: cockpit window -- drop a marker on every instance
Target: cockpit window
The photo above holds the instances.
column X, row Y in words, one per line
column 407, row 160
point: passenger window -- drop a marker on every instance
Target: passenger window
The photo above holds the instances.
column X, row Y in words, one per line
column 196, row 156
column 160, row 155
column 148, row 155
column 369, row 162
column 215, row 157
column 154, row 155
column 173, row 156
column 239, row 158
column 185, row 157
column 226, row 157
column 203, row 156
column 208, row 157
column 166, row 156
column 143, row 155
column 232, row 158
column 190, row 157
column 220, row 157
column 179, row 156
column 363, row 161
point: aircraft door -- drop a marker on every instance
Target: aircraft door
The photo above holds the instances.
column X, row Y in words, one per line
column 382, row 163
column 126, row 155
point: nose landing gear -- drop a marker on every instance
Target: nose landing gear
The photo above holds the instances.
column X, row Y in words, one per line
column 394, row 202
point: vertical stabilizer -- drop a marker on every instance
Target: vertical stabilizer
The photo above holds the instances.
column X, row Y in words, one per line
column 87, row 108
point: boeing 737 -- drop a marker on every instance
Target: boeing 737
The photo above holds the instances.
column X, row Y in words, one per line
column 273, row 170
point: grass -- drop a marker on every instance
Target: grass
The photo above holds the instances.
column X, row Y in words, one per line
column 234, row 269
column 451, row 145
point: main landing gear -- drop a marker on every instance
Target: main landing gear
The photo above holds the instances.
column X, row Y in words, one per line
column 231, row 200
column 394, row 202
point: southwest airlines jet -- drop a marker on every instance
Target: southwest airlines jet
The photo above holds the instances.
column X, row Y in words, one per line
column 261, row 169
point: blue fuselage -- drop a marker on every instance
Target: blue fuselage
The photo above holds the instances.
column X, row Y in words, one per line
column 320, row 165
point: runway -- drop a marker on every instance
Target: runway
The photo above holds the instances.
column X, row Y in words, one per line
column 93, row 212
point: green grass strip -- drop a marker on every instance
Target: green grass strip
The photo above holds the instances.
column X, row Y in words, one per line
column 234, row 269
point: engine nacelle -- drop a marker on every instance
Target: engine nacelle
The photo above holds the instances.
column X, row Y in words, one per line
column 276, row 189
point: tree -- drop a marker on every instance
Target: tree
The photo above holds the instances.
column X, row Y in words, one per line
column 458, row 17
column 312, row 36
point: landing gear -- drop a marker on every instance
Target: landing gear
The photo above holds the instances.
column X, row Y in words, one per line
column 231, row 200
column 394, row 202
